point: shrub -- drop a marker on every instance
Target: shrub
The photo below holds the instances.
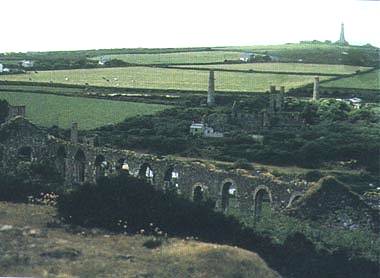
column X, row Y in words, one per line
column 242, row 164
column 313, row 175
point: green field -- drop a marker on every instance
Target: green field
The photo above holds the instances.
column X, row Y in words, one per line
column 288, row 67
column 48, row 110
column 160, row 78
column 176, row 58
column 369, row 80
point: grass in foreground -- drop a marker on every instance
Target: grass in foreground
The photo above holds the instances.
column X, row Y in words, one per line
column 160, row 78
column 369, row 80
column 48, row 110
column 31, row 249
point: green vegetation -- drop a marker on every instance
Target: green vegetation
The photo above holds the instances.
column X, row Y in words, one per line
column 29, row 248
column 321, row 53
column 159, row 78
column 100, row 205
column 369, row 80
column 287, row 67
column 334, row 132
column 48, row 110
column 176, row 58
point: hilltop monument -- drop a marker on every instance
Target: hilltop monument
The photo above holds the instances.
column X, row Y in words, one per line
column 342, row 39
column 211, row 89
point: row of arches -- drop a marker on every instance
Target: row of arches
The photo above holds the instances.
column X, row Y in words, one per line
column 229, row 201
column 262, row 198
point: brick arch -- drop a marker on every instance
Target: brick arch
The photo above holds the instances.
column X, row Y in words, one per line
column 226, row 195
column 295, row 195
column 79, row 166
column 60, row 160
column 203, row 190
column 258, row 195
column 146, row 172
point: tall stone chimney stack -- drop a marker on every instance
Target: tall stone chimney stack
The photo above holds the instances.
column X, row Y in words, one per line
column 316, row 88
column 211, row 89
column 74, row 133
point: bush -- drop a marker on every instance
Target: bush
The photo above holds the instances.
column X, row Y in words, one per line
column 313, row 175
column 242, row 164
column 121, row 198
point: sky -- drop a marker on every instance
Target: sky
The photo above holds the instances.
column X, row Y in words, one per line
column 42, row 25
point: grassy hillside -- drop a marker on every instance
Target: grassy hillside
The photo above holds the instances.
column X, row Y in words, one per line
column 48, row 110
column 321, row 53
column 176, row 58
column 288, row 67
column 29, row 248
column 161, row 78
column 369, row 80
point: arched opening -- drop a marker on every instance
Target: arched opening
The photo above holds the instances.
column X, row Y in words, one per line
column 79, row 166
column 60, row 161
column 262, row 203
column 122, row 166
column 171, row 179
column 229, row 197
column 146, row 173
column 25, row 153
column 294, row 198
column 198, row 194
column 100, row 166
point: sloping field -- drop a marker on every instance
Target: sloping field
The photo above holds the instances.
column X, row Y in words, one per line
column 161, row 78
column 176, row 58
column 29, row 249
column 48, row 110
column 369, row 80
column 288, row 67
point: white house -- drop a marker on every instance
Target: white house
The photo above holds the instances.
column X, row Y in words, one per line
column 1, row 68
column 247, row 57
column 204, row 130
column 103, row 60
column 355, row 102
column 27, row 64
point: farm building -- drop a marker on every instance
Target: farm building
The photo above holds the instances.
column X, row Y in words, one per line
column 247, row 57
column 355, row 102
column 199, row 129
column 1, row 68
column 27, row 64
column 104, row 60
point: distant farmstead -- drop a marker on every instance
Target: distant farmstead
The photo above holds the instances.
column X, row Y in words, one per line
column 104, row 60
column 27, row 64
column 247, row 57
column 200, row 129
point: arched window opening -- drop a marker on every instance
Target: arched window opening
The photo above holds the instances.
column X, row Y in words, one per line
column 79, row 166
column 101, row 166
column 171, row 179
column 122, row 166
column 198, row 194
column 146, row 173
column 229, row 197
column 60, row 161
column 262, row 204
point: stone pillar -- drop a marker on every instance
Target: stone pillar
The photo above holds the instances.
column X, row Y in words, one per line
column 316, row 88
column 211, row 89
column 74, row 133
column 272, row 89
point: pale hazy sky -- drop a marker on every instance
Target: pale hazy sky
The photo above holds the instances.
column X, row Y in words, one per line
column 39, row 25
